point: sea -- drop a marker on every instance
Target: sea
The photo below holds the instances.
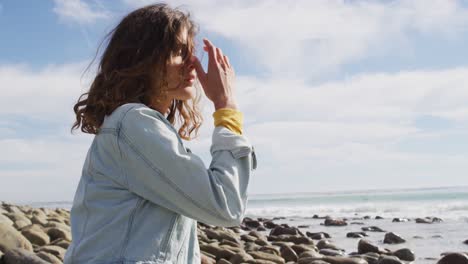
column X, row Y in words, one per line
column 428, row 241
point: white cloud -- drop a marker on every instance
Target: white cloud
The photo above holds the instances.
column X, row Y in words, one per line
column 39, row 153
column 43, row 94
column 353, row 130
column 307, row 137
column 335, row 131
column 78, row 11
column 306, row 38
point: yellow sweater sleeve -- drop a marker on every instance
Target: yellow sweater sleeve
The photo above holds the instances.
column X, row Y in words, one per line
column 231, row 119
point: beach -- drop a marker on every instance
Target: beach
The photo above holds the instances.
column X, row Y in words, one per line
column 384, row 226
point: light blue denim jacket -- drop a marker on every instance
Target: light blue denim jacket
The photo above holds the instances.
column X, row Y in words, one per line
column 142, row 192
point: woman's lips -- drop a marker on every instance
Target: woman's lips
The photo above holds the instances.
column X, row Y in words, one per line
column 190, row 79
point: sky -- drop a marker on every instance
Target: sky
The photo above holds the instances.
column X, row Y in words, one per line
column 336, row 95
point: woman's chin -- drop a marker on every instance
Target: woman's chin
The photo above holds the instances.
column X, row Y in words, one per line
column 186, row 93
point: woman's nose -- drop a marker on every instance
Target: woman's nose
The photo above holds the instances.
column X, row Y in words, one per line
column 190, row 63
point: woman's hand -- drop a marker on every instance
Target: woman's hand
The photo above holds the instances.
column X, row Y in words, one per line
column 218, row 82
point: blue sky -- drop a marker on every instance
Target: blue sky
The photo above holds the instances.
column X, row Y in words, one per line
column 337, row 95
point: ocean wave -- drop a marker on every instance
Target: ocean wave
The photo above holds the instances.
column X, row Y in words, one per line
column 454, row 210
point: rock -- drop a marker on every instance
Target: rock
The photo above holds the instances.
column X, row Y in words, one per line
column 423, row 221
column 275, row 250
column 229, row 243
column 49, row 257
column 365, row 246
column 233, row 249
column 21, row 224
column 454, row 258
column 282, row 244
column 21, row 256
column 334, row 222
column 6, row 220
column 267, row 256
column 260, row 261
column 221, row 234
column 39, row 220
column 389, row 260
column 296, row 239
column 311, row 260
column 251, row 222
column 344, row 260
column 10, row 238
column 258, row 235
column 315, row 261
column 326, row 244
column 398, row 220
column 60, row 225
column 207, row 259
column 217, row 251
column 223, row 261
column 330, row 252
column 378, row 218
column 240, row 257
column 236, row 229
column 249, row 246
column 248, row 238
column 61, row 243
column 310, row 254
column 405, row 254
column 36, row 236
column 269, row 224
column 288, row 254
column 356, row 234
column 318, row 236
column 261, row 242
column 392, row 238
column 356, row 223
column 279, row 230
column 299, row 249
column 261, row 228
column 54, row 250
column 372, row 229
column 465, row 242
column 371, row 257
column 19, row 219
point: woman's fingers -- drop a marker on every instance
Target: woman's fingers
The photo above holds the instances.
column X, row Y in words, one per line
column 220, row 58
column 226, row 60
column 218, row 54
column 211, row 53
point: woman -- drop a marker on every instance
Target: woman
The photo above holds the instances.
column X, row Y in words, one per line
column 142, row 192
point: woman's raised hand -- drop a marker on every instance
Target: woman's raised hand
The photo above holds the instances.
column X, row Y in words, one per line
column 218, row 81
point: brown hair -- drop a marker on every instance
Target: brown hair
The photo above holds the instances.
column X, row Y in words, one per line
column 133, row 68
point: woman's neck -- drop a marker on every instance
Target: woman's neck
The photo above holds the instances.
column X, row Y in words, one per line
column 161, row 106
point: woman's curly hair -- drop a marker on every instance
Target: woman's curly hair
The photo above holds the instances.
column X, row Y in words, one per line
column 132, row 69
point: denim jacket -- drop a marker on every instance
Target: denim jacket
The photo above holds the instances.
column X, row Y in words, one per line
column 142, row 192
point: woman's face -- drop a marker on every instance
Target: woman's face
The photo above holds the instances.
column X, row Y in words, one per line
column 180, row 75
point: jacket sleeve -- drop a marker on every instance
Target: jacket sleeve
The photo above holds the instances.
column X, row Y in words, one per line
column 162, row 171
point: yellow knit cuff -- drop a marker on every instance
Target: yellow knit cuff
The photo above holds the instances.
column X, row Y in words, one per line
column 231, row 119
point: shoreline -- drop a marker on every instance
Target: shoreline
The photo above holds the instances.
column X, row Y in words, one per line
column 44, row 234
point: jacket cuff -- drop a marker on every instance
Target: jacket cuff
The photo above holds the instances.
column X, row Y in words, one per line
column 225, row 139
